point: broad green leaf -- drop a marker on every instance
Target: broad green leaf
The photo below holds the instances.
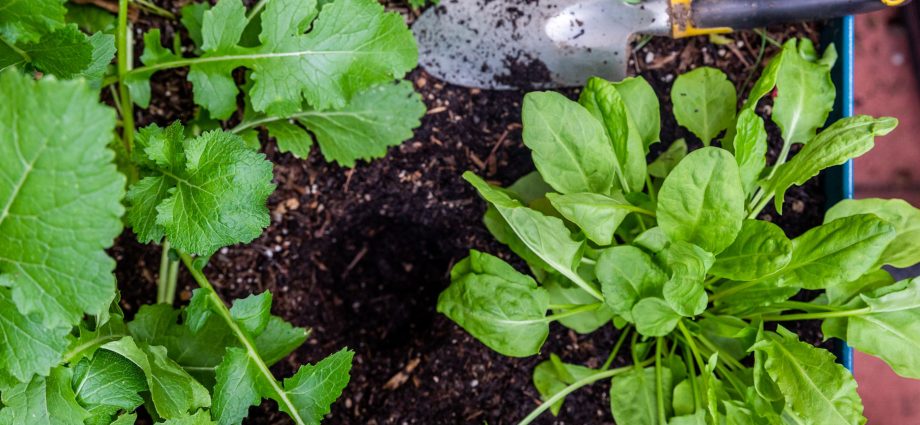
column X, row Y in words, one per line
column 88, row 339
column 64, row 53
column 545, row 236
column 804, row 90
column 314, row 388
column 704, row 102
column 373, row 120
column 682, row 398
column 103, row 52
column 633, row 396
column 198, row 352
column 815, row 387
column 107, row 383
column 199, row 309
column 253, row 312
column 668, row 159
column 46, row 400
column 763, row 383
column 173, row 391
column 836, row 252
column 290, row 138
column 751, row 298
column 60, row 201
column 765, row 83
column 502, row 308
column 684, row 290
column 126, row 419
column 90, row 18
column 278, row 340
column 602, row 99
column 200, row 417
column 642, row 105
column 326, row 66
column 526, row 189
column 696, row 418
column 627, row 275
column 892, row 330
column 652, row 239
column 26, row 347
column 552, row 376
column 731, row 335
column 844, row 292
column 904, row 250
column 654, row 317
column 240, row 384
column 750, row 147
column 841, row 141
column 904, row 295
column 702, row 201
column 193, row 19
column 208, row 192
column 29, row 20
column 760, row 249
column 562, row 291
column 569, row 146
column 597, row 215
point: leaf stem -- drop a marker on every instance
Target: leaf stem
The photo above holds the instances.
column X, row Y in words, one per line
column 164, row 271
column 154, row 9
column 22, row 53
column 659, row 381
column 616, row 347
column 576, row 385
column 243, row 337
column 691, row 344
column 816, row 316
column 124, row 65
column 255, row 10
column 651, row 188
column 571, row 312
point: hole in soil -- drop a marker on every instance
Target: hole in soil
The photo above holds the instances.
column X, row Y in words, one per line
column 389, row 277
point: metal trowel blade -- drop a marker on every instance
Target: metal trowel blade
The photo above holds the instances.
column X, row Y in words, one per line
column 508, row 44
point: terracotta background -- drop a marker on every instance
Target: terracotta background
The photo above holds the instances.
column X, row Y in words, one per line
column 886, row 84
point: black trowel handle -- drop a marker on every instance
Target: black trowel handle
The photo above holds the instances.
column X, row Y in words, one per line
column 693, row 17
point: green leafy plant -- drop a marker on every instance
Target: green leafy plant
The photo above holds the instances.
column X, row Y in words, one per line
column 673, row 255
column 71, row 182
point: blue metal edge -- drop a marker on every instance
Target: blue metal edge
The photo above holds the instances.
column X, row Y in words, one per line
column 838, row 181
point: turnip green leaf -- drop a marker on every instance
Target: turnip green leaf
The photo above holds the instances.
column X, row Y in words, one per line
column 207, row 192
column 59, row 203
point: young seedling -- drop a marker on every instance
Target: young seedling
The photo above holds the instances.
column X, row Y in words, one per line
column 673, row 255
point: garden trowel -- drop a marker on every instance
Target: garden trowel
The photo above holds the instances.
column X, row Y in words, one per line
column 505, row 44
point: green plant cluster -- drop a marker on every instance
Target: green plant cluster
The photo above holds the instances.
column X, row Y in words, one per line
column 74, row 172
column 672, row 252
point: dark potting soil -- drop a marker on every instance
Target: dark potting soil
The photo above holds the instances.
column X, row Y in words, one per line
column 359, row 255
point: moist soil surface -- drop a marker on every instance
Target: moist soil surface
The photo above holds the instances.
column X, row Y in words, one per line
column 360, row 255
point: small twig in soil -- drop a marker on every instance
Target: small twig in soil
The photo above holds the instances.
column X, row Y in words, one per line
column 354, row 261
column 348, row 174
